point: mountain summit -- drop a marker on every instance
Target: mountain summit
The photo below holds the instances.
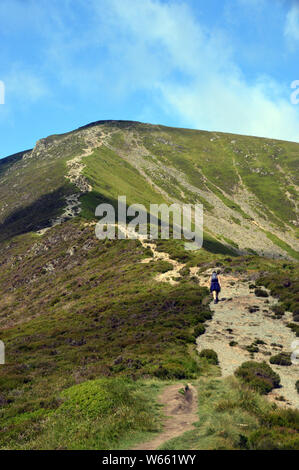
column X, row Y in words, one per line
column 248, row 186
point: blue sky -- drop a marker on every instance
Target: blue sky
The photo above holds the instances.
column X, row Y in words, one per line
column 224, row 65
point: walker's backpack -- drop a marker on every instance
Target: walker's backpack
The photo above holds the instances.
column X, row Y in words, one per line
column 214, row 277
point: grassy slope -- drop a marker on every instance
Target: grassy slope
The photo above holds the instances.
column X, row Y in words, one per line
column 110, row 177
column 57, row 331
column 209, row 161
column 217, row 159
column 60, row 309
column 95, row 414
column 57, row 324
column 232, row 416
column 32, row 190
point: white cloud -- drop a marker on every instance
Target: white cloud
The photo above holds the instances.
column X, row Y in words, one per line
column 160, row 49
column 163, row 47
column 292, row 24
column 24, row 85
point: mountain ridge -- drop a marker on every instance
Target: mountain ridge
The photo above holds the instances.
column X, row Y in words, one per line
column 176, row 165
column 94, row 329
column 128, row 121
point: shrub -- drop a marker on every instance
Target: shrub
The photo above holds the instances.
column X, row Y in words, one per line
column 227, row 270
column 277, row 431
column 259, row 341
column 276, row 345
column 287, row 418
column 259, row 376
column 175, row 371
column 284, row 287
column 278, row 309
column 210, row 355
column 185, row 271
column 281, row 359
column 185, row 337
column 252, row 348
column 295, row 310
column 261, row 292
column 276, row 438
column 91, row 398
column 294, row 328
column 297, row 386
column 163, row 266
column 148, row 252
column 204, row 316
column 253, row 308
column 233, row 343
column 199, row 330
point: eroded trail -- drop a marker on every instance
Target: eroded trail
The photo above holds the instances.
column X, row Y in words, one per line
column 172, row 276
column 239, row 317
column 239, row 320
column 75, row 175
column 243, row 318
column 180, row 410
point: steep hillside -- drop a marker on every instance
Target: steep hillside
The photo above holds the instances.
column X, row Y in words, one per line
column 95, row 330
column 248, row 185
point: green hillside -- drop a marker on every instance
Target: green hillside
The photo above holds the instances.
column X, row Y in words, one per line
column 93, row 332
column 248, row 185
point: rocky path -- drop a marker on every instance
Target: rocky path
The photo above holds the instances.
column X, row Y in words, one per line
column 239, row 317
column 172, row 276
column 180, row 410
column 75, row 175
column 242, row 318
column 233, row 321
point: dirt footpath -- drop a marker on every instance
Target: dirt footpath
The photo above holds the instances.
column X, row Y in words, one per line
column 180, row 410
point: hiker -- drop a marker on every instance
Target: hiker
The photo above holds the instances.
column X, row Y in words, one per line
column 215, row 287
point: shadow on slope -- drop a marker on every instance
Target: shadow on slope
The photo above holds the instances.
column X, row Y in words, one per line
column 34, row 216
column 7, row 162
